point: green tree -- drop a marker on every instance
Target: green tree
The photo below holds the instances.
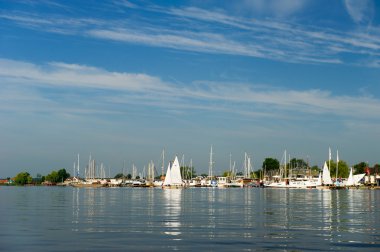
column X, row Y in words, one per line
column 297, row 163
column 271, row 164
column 23, row 178
column 53, row 177
column 315, row 170
column 63, row 175
column 227, row 174
column 254, row 175
column 258, row 174
column 119, row 176
column 343, row 170
column 360, row 168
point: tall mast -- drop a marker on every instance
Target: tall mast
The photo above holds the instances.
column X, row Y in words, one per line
column 210, row 164
column 337, row 161
column 89, row 167
column 290, row 167
column 230, row 163
column 245, row 164
column 191, row 168
column 233, row 170
column 329, row 158
column 78, row 167
column 285, row 166
column 123, row 176
column 163, row 162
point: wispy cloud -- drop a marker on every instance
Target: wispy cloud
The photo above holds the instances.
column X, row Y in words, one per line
column 188, row 28
column 274, row 7
column 141, row 89
column 360, row 11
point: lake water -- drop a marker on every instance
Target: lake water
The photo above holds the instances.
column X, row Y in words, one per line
column 204, row 219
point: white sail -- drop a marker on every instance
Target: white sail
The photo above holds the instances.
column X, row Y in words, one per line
column 319, row 182
column 350, row 180
column 357, row 178
column 168, row 177
column 175, row 173
column 326, row 178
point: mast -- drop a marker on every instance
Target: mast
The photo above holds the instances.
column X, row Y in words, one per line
column 191, row 168
column 78, row 167
column 123, row 176
column 285, row 166
column 329, row 157
column 89, row 167
column 230, row 163
column 245, row 164
column 290, row 168
column 210, row 164
column 337, row 161
column 233, row 171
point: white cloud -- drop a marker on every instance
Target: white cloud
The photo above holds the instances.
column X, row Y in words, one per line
column 73, row 75
column 150, row 91
column 262, row 38
column 275, row 7
column 360, row 11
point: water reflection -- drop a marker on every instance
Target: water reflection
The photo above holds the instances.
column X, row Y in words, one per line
column 200, row 218
column 172, row 211
column 87, row 205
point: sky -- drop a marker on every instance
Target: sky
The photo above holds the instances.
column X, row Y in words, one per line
column 123, row 80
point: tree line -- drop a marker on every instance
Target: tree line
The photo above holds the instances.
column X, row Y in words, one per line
column 24, row 178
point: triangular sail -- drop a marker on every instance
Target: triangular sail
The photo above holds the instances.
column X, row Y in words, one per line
column 319, row 182
column 350, row 180
column 176, row 178
column 168, row 177
column 326, row 178
column 357, row 178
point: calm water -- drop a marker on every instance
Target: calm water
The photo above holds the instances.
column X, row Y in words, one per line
column 130, row 219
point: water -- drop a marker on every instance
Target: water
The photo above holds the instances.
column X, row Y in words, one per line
column 236, row 219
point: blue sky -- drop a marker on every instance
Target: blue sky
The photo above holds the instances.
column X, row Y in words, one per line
column 124, row 79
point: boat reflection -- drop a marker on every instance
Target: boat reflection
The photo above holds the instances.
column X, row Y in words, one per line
column 172, row 211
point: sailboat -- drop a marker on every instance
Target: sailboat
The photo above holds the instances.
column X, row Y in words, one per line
column 285, row 180
column 350, row 181
column 353, row 180
column 173, row 178
column 326, row 178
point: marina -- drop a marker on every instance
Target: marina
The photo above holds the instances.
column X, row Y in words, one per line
column 175, row 177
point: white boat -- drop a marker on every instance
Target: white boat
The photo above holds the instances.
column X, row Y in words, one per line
column 350, row 181
column 173, row 178
column 158, row 183
column 285, row 180
column 326, row 178
column 354, row 180
column 222, row 182
column 358, row 178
